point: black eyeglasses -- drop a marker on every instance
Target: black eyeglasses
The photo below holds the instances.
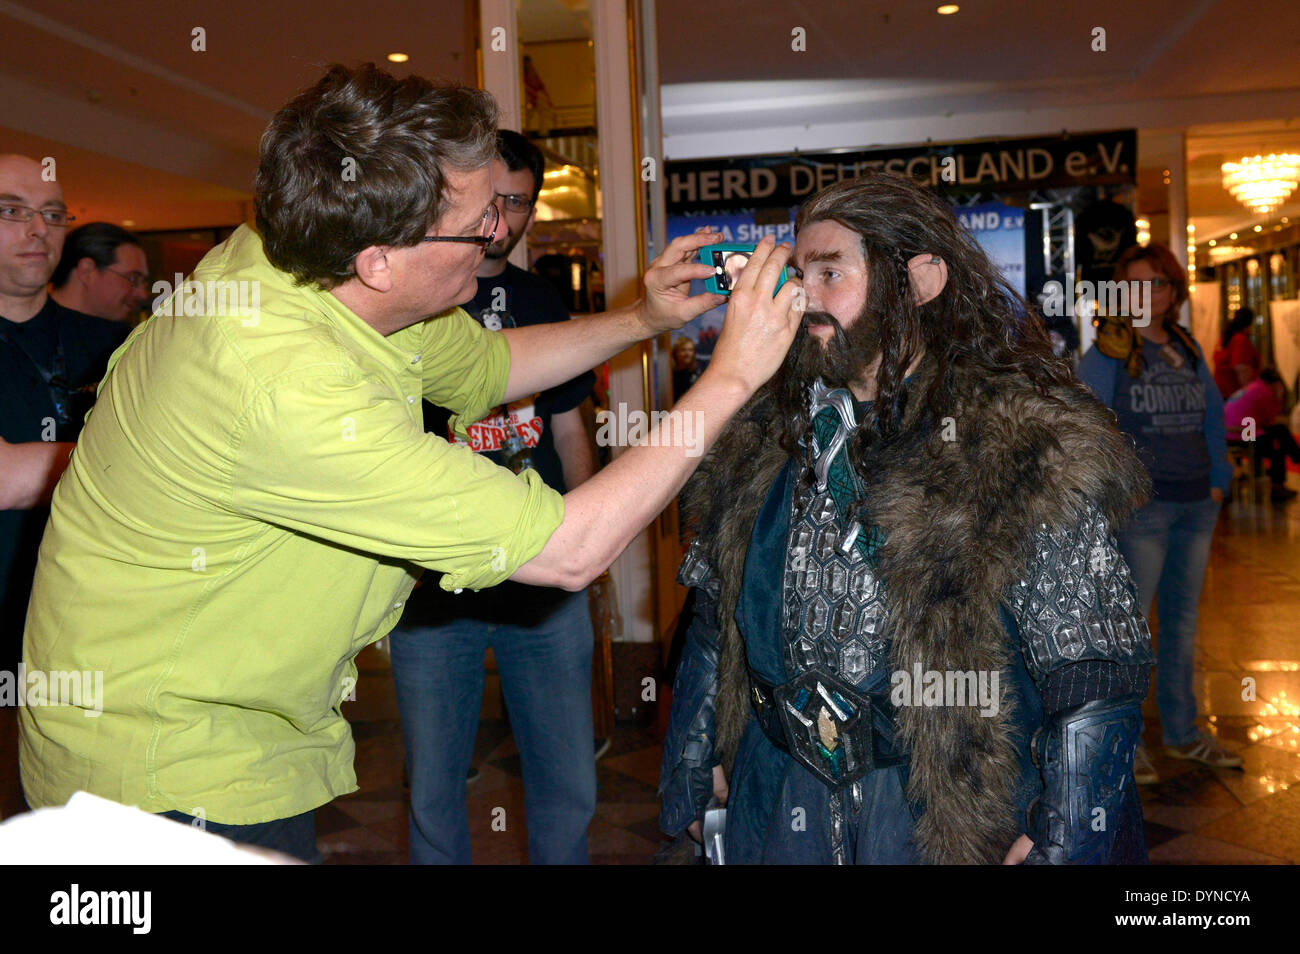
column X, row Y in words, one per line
column 134, row 279
column 491, row 217
column 22, row 214
column 515, row 202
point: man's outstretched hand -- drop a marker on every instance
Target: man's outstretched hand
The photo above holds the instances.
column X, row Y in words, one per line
column 668, row 302
column 759, row 328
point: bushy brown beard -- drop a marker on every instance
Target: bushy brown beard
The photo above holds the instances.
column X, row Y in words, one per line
column 839, row 362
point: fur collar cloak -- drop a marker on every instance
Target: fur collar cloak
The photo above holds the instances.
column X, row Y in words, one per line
column 959, row 518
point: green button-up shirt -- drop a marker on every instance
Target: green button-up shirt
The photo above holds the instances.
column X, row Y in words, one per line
column 248, row 507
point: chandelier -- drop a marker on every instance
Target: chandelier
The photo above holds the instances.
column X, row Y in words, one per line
column 1262, row 183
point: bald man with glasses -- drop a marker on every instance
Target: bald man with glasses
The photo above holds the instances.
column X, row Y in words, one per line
column 50, row 356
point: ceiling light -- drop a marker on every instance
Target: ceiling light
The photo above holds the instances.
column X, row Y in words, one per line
column 1213, row 243
column 1223, row 253
column 128, row 223
column 947, row 9
column 1259, row 228
column 1233, row 235
column 397, row 57
column 1262, row 183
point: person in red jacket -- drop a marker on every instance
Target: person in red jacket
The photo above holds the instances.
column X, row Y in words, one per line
column 1236, row 362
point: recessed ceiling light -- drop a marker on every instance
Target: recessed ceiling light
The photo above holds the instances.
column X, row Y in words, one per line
column 1233, row 235
column 947, row 9
column 1259, row 228
column 128, row 222
column 1213, row 243
column 397, row 57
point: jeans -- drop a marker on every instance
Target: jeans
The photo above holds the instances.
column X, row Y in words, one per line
column 1167, row 546
column 1275, row 445
column 295, row 836
column 546, row 679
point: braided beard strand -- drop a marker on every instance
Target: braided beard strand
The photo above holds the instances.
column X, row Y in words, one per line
column 840, row 361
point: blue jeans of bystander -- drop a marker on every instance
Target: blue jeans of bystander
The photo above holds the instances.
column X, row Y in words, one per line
column 1167, row 546
column 546, row 680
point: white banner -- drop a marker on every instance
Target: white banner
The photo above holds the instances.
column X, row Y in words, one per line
column 1286, row 338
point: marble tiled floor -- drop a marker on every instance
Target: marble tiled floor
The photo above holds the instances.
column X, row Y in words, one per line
column 1249, row 628
column 1249, row 625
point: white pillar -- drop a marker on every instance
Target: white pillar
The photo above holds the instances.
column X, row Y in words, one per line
column 498, row 35
column 499, row 27
column 620, row 197
column 1178, row 210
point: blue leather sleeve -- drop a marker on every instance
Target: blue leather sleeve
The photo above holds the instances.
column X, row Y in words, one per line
column 1098, row 372
column 686, row 775
column 1215, row 429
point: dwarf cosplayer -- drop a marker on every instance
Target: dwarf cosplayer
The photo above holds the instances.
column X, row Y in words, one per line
column 915, row 640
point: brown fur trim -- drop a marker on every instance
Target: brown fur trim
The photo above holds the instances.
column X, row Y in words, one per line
column 959, row 518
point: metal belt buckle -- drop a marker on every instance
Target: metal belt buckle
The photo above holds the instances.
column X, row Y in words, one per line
column 828, row 726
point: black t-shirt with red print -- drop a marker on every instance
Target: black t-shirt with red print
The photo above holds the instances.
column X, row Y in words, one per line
column 515, row 298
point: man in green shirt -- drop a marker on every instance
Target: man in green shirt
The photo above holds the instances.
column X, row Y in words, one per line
column 254, row 494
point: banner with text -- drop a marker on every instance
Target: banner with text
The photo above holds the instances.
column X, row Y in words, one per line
column 1013, row 165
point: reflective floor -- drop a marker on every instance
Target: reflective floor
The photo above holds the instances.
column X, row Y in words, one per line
column 1249, row 627
column 1249, row 630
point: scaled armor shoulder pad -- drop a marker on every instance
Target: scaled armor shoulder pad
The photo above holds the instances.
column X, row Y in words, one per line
column 1078, row 601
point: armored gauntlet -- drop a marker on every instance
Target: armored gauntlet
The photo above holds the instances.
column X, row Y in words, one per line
column 1086, row 756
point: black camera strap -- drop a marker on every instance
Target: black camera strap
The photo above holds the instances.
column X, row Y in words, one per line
column 56, row 376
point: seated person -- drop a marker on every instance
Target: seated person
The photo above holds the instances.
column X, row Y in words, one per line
column 1253, row 415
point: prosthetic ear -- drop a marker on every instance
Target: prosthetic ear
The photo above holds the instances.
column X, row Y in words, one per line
column 929, row 274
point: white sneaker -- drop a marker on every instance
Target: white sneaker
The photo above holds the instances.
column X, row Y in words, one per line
column 1144, row 773
column 1206, row 751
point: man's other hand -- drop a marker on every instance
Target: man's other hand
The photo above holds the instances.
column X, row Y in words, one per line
column 1020, row 849
column 668, row 302
column 720, row 791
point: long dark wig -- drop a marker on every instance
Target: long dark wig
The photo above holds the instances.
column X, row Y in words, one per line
column 977, row 328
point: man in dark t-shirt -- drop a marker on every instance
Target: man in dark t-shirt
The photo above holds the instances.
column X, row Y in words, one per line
column 541, row 637
column 50, row 359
